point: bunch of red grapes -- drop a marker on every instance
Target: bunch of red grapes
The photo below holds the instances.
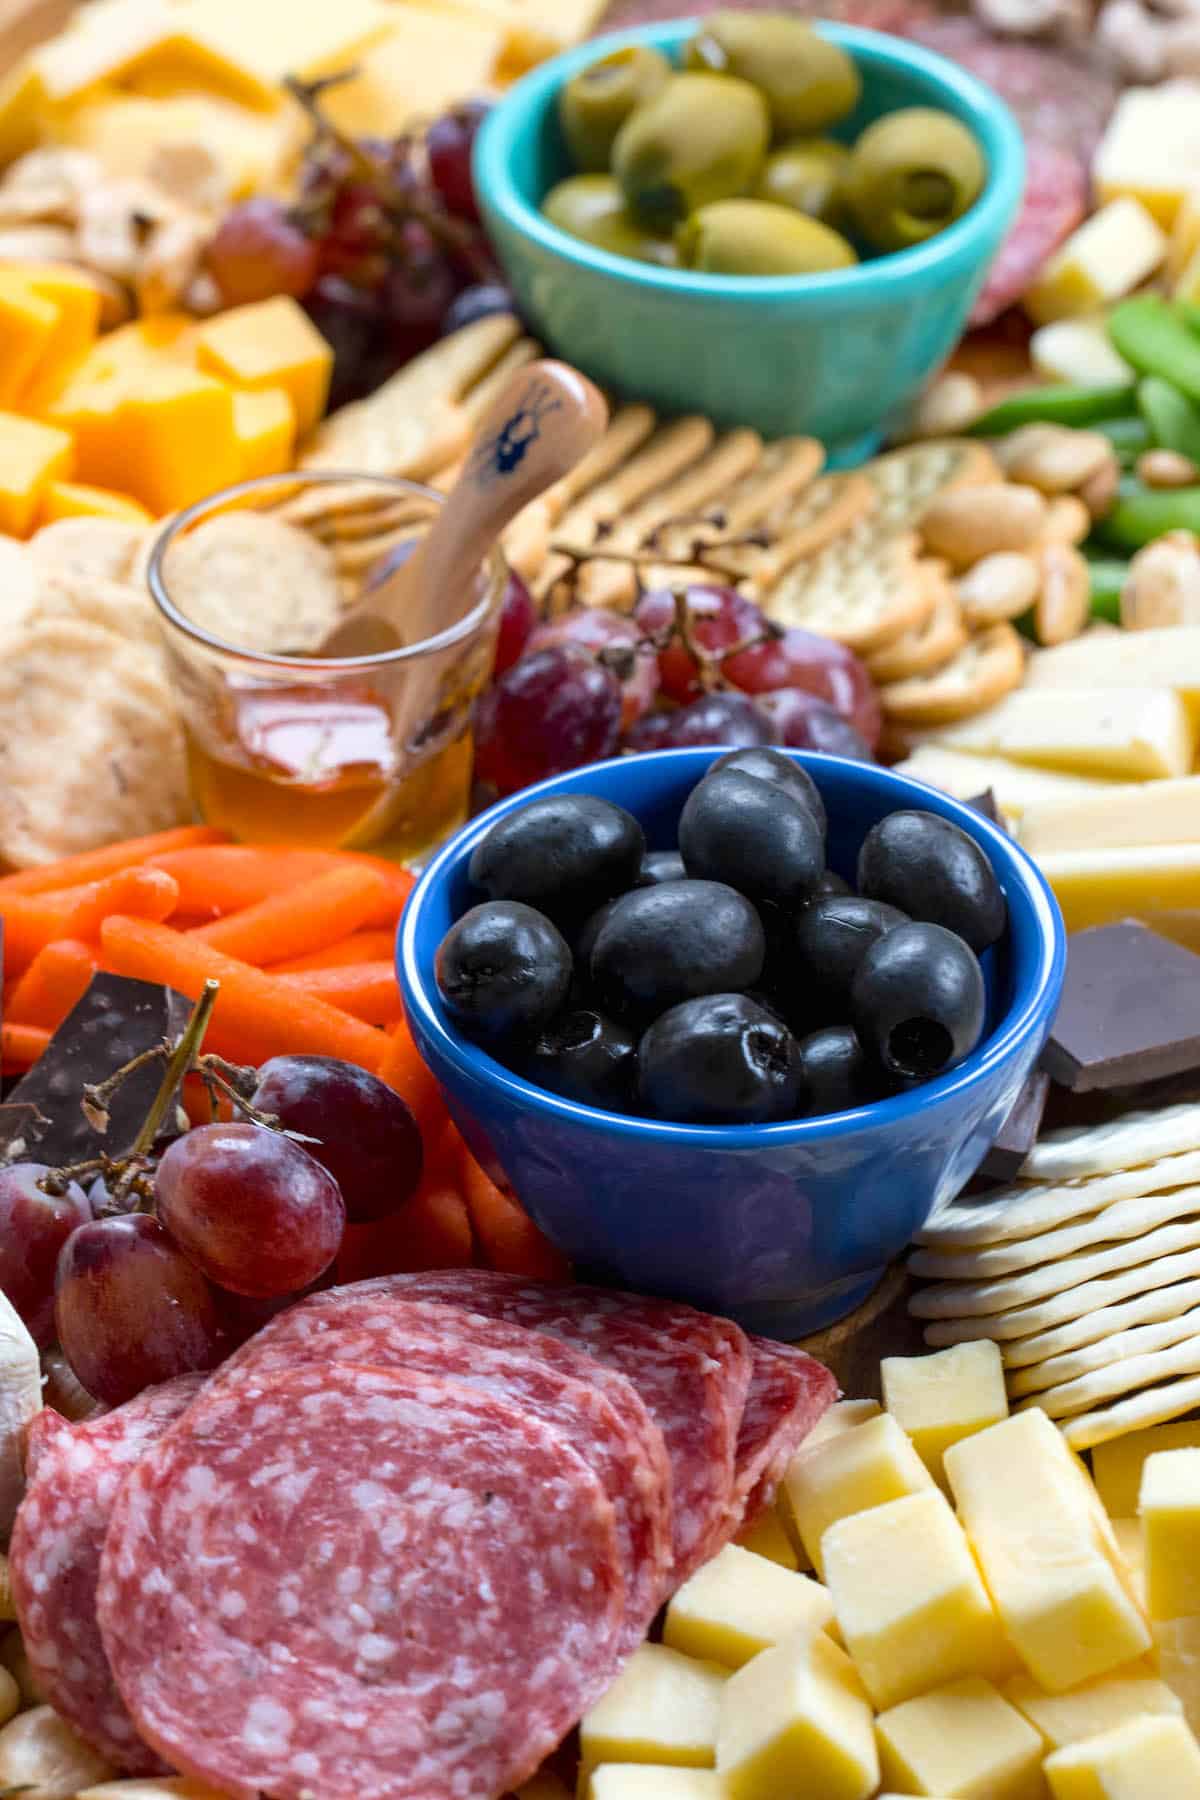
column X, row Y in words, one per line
column 382, row 245
column 701, row 667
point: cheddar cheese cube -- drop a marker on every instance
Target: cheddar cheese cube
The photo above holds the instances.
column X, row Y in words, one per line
column 271, row 343
column 1046, row 1551
column 662, row 1708
column 633, row 1781
column 1095, row 1707
column 264, row 425
column 908, row 1598
column 738, row 1605
column 941, row 1398
column 842, row 1416
column 767, row 1537
column 22, row 108
column 795, row 1721
column 866, row 1466
column 31, row 455
column 27, row 326
column 1169, row 1508
column 77, row 299
column 1144, row 1759
column 75, row 500
column 962, row 1739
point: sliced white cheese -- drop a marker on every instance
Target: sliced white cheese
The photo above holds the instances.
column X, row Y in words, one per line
column 1166, row 656
column 1151, row 149
column 1131, row 734
column 1079, row 352
column 1153, row 812
column 20, row 1399
column 1017, row 788
column 1098, row 887
column 1184, row 247
column 1111, row 254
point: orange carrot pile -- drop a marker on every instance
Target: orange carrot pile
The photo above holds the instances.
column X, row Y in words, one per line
column 302, row 943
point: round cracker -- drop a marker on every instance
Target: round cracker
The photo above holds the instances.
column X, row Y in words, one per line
column 908, row 479
column 865, row 590
column 91, row 750
column 932, row 644
column 87, row 549
column 116, row 605
column 982, row 673
column 255, row 582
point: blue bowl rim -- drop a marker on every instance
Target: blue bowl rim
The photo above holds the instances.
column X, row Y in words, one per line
column 955, row 250
column 1041, row 982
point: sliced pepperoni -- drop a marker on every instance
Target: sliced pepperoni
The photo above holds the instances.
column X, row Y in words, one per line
column 1056, row 201
column 344, row 1581
column 600, row 1411
column 789, row 1391
column 75, row 1473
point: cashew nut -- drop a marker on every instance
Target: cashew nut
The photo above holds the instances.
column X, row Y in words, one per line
column 1064, row 600
column 1001, row 586
column 1053, row 458
column 1099, row 491
column 1167, row 469
column 1163, row 584
column 953, row 402
column 971, row 522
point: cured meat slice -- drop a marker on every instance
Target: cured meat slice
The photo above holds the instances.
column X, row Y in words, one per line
column 360, row 1582
column 691, row 1369
column 75, row 1473
column 1056, row 201
column 600, row 1411
column 789, row 1391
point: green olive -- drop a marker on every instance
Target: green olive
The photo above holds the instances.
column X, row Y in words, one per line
column 808, row 82
column 910, row 175
column 701, row 138
column 755, row 237
column 594, row 104
column 592, row 207
column 807, row 176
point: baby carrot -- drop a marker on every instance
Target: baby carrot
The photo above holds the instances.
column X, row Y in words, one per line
column 433, row 1231
column 20, row 1046
column 256, row 1016
column 215, row 879
column 359, row 947
column 31, row 921
column 368, row 990
column 402, row 1068
column 54, row 982
column 305, row 917
column 508, row 1239
column 94, row 865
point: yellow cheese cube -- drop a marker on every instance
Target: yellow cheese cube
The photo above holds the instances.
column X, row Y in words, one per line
column 77, row 298
column 27, row 325
column 264, row 425
column 136, row 46
column 1112, row 253
column 633, row 1781
column 22, row 111
column 74, row 500
column 31, row 455
column 1144, row 1759
column 168, row 440
column 910, row 1605
column 270, row 344
column 963, row 1739
column 1098, row 887
column 941, row 1398
column 1151, row 150
column 1117, row 733
column 768, row 1537
column 1046, row 1550
column 794, row 1721
column 738, row 1605
column 1080, row 352
column 843, row 1415
column 1095, row 1707
column 1165, row 657
column 866, row 1466
column 662, row 1708
column 1169, row 1508
column 1117, row 1466
column 1177, row 1659
column 424, row 64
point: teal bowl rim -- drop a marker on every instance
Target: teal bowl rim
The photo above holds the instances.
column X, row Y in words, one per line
column 953, row 252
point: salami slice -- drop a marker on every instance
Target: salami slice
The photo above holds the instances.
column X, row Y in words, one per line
column 1055, row 202
column 600, row 1411
column 344, row 1581
column 691, row 1369
column 789, row 1391
column 75, row 1473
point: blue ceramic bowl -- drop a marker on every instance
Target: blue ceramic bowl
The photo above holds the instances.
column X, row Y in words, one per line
column 839, row 356
column 784, row 1227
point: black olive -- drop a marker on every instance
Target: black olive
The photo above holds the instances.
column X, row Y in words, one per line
column 503, row 971
column 836, row 1075
column 934, row 872
column 564, row 854
column 585, row 1057
column 779, row 769
column 830, row 937
column 753, row 835
column 832, row 883
column 719, row 1060
column 918, row 1001
column 661, row 945
column 659, row 866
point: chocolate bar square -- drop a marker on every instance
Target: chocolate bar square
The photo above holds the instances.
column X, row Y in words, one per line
column 1130, row 1010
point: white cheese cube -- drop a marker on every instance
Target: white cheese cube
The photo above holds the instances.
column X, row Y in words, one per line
column 1110, row 254
column 1047, row 1552
column 911, row 1607
column 1018, row 789
column 1151, row 149
column 640, row 1781
column 1144, row 1759
column 843, row 1415
column 795, row 1721
column 1095, row 1707
column 1151, row 813
column 941, row 1398
column 767, row 1536
column 662, row 1708
column 1169, row 1508
column 1167, row 656
column 863, row 1467
column 1117, row 1466
column 1080, row 353
column 1098, row 887
column 963, row 1739
column 1116, row 733
column 739, row 1605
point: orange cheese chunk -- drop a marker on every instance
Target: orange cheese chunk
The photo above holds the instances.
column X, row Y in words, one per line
column 77, row 298
column 75, row 500
column 110, row 367
column 22, row 101
column 271, row 343
column 172, row 440
column 31, row 455
column 27, row 326
column 138, row 47
column 264, row 424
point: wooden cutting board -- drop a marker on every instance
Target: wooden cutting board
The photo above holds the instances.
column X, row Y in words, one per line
column 881, row 1326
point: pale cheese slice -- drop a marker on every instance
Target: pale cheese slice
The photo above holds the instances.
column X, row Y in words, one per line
column 298, row 37
column 533, row 29
column 1118, row 733
column 1099, row 887
column 1166, row 656
column 1184, row 247
column 144, row 39
column 1153, row 813
column 647, row 1781
column 1017, row 787
column 1151, row 150
column 842, row 1416
column 424, row 63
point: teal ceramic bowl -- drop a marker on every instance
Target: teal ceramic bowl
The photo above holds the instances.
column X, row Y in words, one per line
column 837, row 356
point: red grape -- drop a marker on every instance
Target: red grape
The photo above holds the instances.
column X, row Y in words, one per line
column 352, row 322
column 552, row 711
column 34, row 1226
column 719, row 618
column 357, row 240
column 252, row 1209
column 596, row 629
column 131, row 1310
column 364, row 1133
column 803, row 659
column 415, row 297
column 518, row 616
column 724, row 718
column 806, row 722
column 259, row 251
column 448, row 144
column 650, row 733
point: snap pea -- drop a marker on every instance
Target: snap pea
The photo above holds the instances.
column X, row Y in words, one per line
column 1108, row 577
column 1155, row 337
column 1128, row 437
column 1054, row 405
column 1173, row 420
column 1142, row 514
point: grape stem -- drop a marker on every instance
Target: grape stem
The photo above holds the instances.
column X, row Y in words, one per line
column 181, row 1059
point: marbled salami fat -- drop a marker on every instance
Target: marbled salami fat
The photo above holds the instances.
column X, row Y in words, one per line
column 789, row 1391
column 691, row 1369
column 75, row 1473
column 360, row 1582
column 600, row 1411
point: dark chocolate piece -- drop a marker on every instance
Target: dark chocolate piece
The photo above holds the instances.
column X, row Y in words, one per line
column 1019, row 1132
column 115, row 1021
column 21, row 1131
column 1130, row 1011
column 986, row 803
